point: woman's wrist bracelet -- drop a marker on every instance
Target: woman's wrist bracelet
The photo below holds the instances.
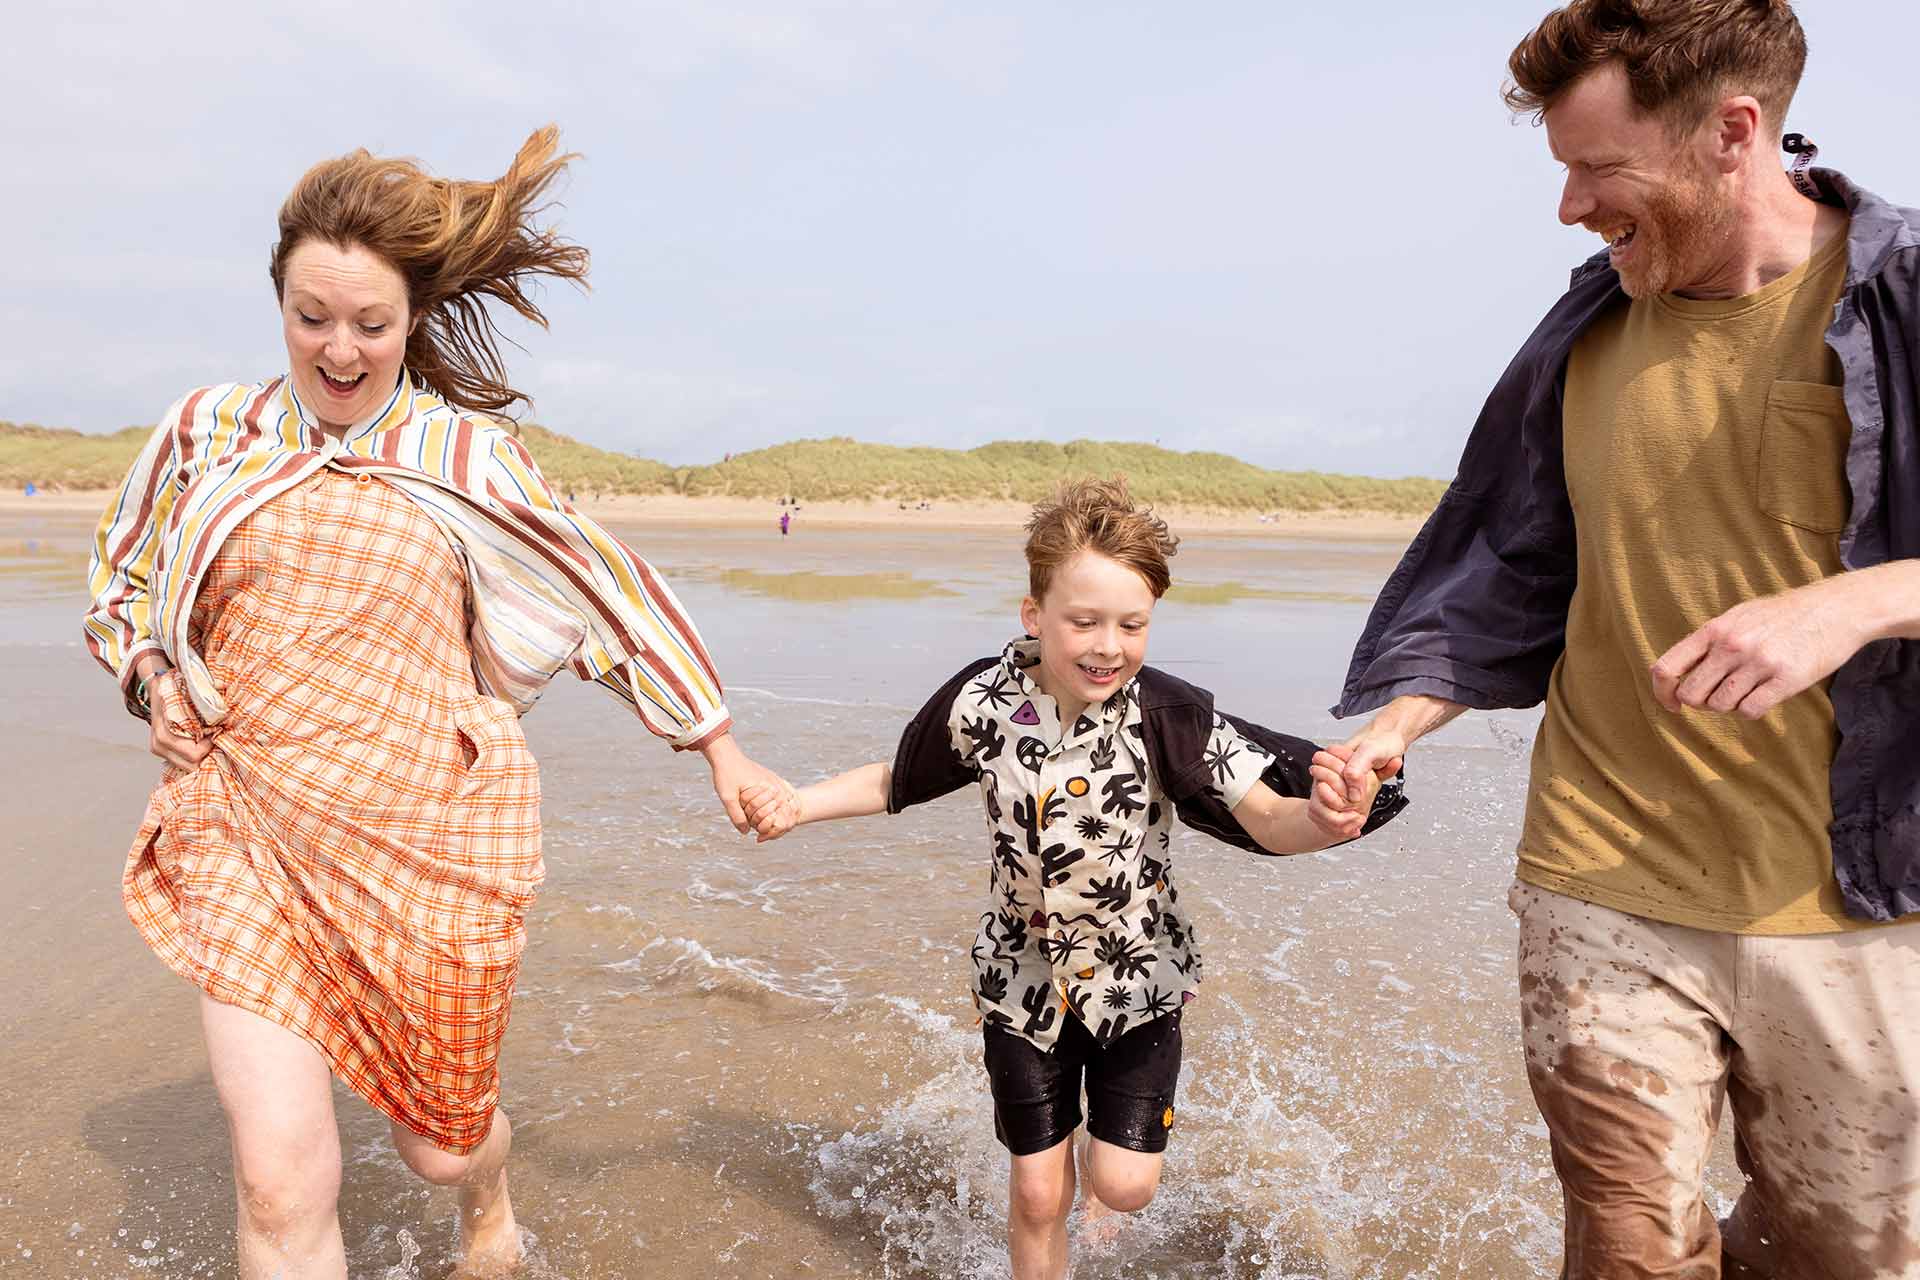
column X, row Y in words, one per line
column 142, row 690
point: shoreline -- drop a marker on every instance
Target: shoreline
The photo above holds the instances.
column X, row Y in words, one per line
column 729, row 512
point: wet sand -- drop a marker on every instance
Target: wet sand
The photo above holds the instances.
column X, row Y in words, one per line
column 729, row 1060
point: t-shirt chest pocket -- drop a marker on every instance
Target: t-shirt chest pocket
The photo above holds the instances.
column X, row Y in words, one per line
column 1802, row 474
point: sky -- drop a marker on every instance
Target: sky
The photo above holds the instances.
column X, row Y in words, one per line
column 1309, row 235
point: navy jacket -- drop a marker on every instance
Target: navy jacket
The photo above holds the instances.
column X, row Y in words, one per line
column 1476, row 611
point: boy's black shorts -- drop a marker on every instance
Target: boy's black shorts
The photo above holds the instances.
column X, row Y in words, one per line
column 1130, row 1083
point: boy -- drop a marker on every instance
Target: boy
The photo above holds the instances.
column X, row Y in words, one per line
column 1083, row 756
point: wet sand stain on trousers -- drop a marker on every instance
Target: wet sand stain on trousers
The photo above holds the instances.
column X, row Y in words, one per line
column 1637, row 1032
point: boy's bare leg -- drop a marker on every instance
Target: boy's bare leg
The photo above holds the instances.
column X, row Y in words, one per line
column 278, row 1096
column 1039, row 1196
column 489, row 1235
column 1092, row 1207
column 1122, row 1181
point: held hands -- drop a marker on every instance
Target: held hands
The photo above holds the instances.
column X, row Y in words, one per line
column 771, row 811
column 1339, row 806
column 735, row 777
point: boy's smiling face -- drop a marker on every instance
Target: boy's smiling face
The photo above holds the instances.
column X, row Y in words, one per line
column 1092, row 628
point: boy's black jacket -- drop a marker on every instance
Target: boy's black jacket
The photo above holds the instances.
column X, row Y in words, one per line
column 1177, row 722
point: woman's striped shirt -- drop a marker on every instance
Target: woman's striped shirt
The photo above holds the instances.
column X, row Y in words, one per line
column 549, row 587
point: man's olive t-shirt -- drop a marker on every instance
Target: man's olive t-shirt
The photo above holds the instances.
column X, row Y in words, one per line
column 1705, row 447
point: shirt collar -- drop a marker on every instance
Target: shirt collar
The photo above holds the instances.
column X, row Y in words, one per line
column 396, row 409
column 1021, row 655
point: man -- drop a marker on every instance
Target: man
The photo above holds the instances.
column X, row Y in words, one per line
column 1687, row 520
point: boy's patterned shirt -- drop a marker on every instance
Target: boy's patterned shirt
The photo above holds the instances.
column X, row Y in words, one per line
column 1084, row 918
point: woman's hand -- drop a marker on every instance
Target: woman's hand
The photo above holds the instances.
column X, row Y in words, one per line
column 174, row 731
column 772, row 812
column 734, row 773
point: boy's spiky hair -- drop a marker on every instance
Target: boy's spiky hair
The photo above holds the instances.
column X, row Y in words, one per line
column 1097, row 515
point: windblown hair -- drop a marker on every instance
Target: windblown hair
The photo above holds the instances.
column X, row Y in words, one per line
column 1682, row 57
column 1097, row 515
column 456, row 244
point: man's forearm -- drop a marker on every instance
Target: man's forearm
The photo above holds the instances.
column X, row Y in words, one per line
column 1884, row 600
column 1413, row 716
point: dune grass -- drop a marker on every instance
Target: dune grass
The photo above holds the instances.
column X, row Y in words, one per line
column 832, row 469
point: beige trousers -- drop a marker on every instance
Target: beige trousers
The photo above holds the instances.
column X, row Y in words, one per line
column 1636, row 1032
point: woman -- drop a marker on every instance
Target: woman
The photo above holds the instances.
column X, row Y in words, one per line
column 332, row 594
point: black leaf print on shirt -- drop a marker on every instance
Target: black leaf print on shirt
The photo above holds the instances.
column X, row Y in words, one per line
column 1077, row 1001
column 1220, row 756
column 1111, row 1029
column 1059, row 947
column 985, row 735
column 1007, row 853
column 990, row 791
column 1153, row 813
column 1032, row 753
column 1118, row 997
column 1054, row 861
column 1112, row 895
column 1122, row 792
column 997, row 689
column 1091, row 828
column 993, row 985
column 1101, row 756
column 1039, row 1004
column 1122, row 845
column 1151, row 925
column 1176, row 932
column 1156, row 1002
column 1125, row 955
column 1013, row 936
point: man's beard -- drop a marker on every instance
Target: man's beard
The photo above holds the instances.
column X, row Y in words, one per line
column 1689, row 221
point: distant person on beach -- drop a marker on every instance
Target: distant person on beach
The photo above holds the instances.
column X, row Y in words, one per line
column 786, row 518
column 1083, row 757
column 332, row 594
column 1688, row 520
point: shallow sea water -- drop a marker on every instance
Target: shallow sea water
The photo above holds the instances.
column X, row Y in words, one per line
column 740, row 1060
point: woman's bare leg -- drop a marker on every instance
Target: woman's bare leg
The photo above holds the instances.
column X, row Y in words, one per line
column 278, row 1096
column 489, row 1236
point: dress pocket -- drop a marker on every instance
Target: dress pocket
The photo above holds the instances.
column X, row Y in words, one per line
column 1802, row 478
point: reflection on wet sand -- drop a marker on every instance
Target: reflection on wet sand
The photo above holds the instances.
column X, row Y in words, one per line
column 827, row 588
column 1230, row 591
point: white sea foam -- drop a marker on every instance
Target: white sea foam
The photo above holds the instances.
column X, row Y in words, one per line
column 688, row 958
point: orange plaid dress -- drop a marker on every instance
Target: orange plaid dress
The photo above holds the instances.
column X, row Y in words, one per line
column 354, row 858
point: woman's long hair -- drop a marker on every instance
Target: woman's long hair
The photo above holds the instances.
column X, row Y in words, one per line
column 456, row 244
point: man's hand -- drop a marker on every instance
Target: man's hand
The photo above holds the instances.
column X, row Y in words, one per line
column 1756, row 655
column 1377, row 752
column 734, row 773
column 1329, row 806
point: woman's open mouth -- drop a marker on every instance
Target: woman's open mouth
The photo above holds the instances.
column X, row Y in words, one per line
column 341, row 386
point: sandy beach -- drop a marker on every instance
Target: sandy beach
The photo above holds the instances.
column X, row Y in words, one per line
column 730, row 1060
column 747, row 512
